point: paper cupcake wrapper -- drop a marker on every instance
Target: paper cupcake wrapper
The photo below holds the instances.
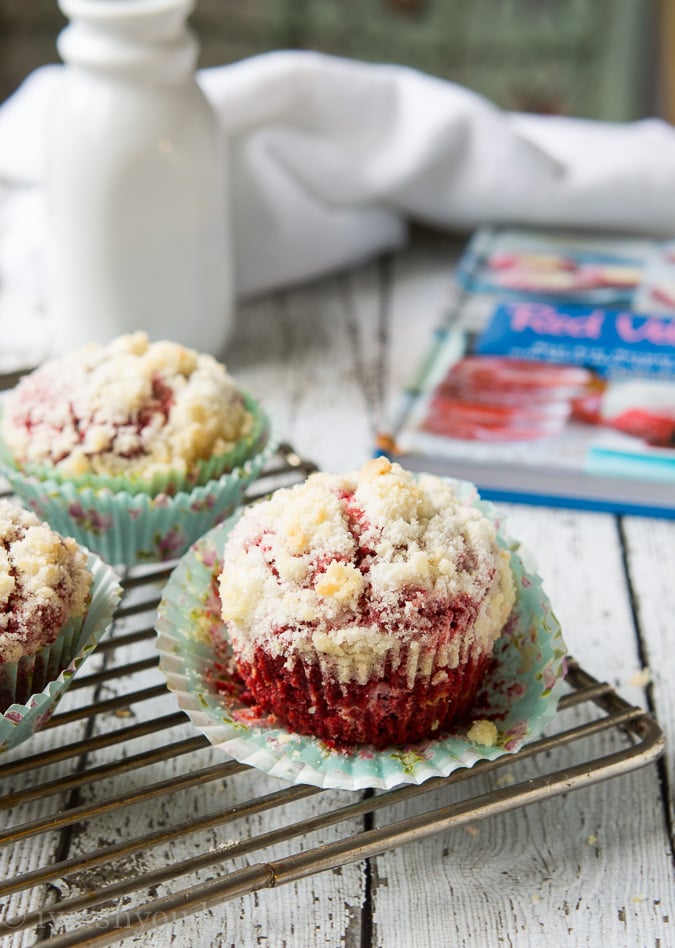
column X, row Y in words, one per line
column 171, row 482
column 19, row 680
column 519, row 694
column 56, row 666
column 131, row 528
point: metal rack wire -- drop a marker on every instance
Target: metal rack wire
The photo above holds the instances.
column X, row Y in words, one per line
column 84, row 773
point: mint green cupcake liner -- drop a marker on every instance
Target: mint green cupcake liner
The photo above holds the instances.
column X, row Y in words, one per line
column 19, row 680
column 31, row 688
column 171, row 482
column 127, row 528
column 519, row 694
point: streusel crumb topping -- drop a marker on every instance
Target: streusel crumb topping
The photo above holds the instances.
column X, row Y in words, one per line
column 131, row 407
column 44, row 581
column 357, row 568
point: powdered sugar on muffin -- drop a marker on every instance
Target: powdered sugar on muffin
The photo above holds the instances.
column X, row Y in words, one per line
column 376, row 580
column 44, row 581
column 131, row 408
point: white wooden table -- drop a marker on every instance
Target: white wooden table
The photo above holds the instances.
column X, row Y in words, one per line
column 587, row 868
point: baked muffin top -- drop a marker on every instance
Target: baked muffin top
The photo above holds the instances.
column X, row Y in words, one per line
column 132, row 407
column 44, row 581
column 347, row 566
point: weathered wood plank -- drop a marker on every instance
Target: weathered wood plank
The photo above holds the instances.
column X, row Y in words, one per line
column 308, row 354
column 650, row 552
column 572, row 871
column 422, row 291
column 581, row 562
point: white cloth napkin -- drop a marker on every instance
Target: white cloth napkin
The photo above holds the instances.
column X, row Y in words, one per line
column 332, row 158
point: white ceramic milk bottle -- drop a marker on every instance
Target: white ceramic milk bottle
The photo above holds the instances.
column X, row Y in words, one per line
column 137, row 182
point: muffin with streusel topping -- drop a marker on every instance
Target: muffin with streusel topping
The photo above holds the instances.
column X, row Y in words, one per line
column 134, row 447
column 364, row 608
column 45, row 589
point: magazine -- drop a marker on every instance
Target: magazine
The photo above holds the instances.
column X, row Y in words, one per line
column 613, row 272
column 550, row 381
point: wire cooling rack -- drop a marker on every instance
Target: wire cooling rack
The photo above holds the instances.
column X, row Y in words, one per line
column 118, row 752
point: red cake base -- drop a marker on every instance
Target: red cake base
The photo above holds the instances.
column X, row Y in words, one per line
column 383, row 712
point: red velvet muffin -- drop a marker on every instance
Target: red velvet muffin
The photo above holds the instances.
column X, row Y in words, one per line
column 44, row 584
column 134, row 448
column 132, row 409
column 364, row 608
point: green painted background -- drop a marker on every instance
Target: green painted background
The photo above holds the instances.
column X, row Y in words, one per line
column 590, row 58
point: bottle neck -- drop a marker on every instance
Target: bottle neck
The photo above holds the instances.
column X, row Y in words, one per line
column 145, row 39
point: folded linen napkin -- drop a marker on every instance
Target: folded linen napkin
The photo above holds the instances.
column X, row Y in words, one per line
column 332, row 158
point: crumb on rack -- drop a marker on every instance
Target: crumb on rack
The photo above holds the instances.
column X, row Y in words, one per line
column 641, row 678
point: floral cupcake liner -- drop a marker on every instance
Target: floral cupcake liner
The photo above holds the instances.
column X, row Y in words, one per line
column 519, row 694
column 19, row 680
column 31, row 688
column 128, row 528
